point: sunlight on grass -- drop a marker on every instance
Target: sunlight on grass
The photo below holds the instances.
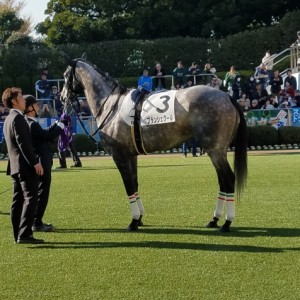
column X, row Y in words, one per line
column 91, row 256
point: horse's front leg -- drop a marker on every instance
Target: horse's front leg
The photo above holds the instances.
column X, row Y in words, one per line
column 128, row 169
column 138, row 199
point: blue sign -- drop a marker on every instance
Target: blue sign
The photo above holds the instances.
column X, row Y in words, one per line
column 295, row 117
column 1, row 132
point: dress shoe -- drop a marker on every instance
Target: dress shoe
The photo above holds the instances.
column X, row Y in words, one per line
column 43, row 228
column 195, row 155
column 60, row 167
column 29, row 240
column 77, row 165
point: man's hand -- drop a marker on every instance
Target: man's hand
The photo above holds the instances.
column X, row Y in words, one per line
column 39, row 169
column 64, row 121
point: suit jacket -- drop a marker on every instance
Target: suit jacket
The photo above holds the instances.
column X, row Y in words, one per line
column 19, row 145
column 40, row 139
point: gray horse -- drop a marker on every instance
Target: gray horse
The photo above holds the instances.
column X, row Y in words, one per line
column 205, row 113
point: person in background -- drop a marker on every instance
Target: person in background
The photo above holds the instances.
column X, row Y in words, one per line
column 261, row 74
column 254, row 104
column 297, row 98
column 276, row 83
column 289, row 90
column 159, row 80
column 179, row 74
column 65, row 142
column 189, row 83
column 268, row 105
column 208, row 71
column 194, row 71
column 55, row 99
column 260, row 92
column 145, row 82
column 144, row 87
column 290, row 79
column 229, row 77
column 84, row 110
column 23, row 167
column 47, row 73
column 194, row 148
column 45, row 113
column 3, row 112
column 43, row 89
column 250, row 87
column 215, row 83
column 237, row 87
column 268, row 61
column 40, row 139
column 244, row 103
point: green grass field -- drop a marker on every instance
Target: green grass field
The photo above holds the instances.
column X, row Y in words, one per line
column 91, row 256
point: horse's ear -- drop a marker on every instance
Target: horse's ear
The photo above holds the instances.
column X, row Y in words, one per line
column 83, row 56
column 68, row 59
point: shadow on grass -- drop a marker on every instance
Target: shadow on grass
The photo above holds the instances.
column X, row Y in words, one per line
column 235, row 231
column 164, row 245
column 115, row 168
column 4, row 213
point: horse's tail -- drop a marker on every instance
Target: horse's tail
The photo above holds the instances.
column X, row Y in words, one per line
column 240, row 152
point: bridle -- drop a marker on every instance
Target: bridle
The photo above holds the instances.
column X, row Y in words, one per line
column 74, row 88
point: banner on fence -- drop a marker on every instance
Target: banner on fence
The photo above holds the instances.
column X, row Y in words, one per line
column 274, row 117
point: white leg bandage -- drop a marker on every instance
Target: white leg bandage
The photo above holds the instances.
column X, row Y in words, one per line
column 220, row 204
column 135, row 211
column 230, row 207
column 140, row 204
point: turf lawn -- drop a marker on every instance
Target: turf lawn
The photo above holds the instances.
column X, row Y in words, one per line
column 91, row 256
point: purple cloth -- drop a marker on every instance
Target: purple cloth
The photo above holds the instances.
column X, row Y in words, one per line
column 65, row 137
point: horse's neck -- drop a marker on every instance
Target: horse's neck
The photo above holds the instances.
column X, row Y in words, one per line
column 107, row 109
column 96, row 91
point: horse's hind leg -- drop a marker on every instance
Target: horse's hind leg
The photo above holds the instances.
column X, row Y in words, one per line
column 226, row 180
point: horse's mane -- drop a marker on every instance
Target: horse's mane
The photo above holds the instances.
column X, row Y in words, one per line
column 106, row 76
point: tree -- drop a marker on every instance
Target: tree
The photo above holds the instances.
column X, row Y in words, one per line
column 81, row 21
column 10, row 21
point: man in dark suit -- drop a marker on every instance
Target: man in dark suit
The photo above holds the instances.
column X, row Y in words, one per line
column 23, row 166
column 40, row 139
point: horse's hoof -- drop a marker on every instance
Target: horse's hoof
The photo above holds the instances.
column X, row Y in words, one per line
column 226, row 227
column 212, row 224
column 133, row 226
column 140, row 222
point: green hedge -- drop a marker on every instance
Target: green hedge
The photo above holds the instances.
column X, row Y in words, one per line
column 262, row 135
column 289, row 135
column 268, row 135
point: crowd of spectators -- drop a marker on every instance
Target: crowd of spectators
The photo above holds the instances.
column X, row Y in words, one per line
column 264, row 89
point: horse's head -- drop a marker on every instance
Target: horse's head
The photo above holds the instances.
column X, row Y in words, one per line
column 72, row 87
